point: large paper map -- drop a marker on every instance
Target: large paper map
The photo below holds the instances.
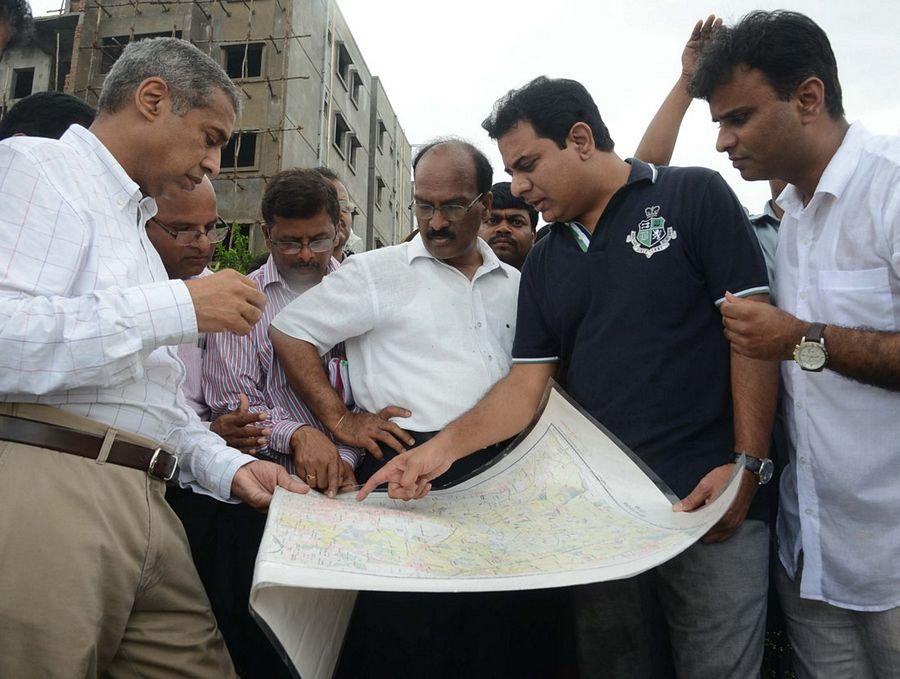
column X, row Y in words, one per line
column 566, row 505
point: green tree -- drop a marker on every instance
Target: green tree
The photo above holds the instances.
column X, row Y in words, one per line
column 233, row 253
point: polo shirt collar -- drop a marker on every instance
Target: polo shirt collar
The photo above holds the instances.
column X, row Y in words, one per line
column 767, row 216
column 416, row 249
column 121, row 185
column 640, row 172
column 837, row 173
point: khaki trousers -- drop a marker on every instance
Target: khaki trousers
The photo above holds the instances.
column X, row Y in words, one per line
column 96, row 577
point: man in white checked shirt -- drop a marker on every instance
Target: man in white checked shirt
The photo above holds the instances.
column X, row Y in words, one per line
column 95, row 577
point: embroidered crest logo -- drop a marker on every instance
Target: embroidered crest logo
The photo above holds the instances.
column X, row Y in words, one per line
column 652, row 234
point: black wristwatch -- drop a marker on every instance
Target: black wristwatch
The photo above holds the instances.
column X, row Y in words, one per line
column 811, row 354
column 761, row 467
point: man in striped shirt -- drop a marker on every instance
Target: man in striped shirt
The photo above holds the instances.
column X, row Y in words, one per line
column 300, row 210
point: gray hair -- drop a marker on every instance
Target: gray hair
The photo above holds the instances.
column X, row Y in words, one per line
column 191, row 76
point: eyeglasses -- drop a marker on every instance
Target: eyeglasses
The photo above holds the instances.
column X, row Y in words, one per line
column 452, row 213
column 348, row 207
column 215, row 234
column 294, row 247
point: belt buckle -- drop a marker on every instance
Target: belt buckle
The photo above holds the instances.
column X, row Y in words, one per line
column 169, row 472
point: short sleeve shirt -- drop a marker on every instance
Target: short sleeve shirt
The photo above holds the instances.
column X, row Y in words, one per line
column 632, row 313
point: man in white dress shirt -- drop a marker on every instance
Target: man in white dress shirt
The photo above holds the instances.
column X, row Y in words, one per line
column 95, row 574
column 772, row 85
column 428, row 326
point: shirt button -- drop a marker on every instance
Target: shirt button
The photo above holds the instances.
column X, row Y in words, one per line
column 808, row 512
column 478, row 325
column 803, row 295
column 490, row 358
column 802, row 460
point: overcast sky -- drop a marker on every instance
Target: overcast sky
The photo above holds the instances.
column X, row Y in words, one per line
column 444, row 64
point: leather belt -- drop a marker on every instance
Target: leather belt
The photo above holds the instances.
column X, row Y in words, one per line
column 158, row 463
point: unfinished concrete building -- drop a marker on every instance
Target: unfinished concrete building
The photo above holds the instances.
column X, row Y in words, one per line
column 310, row 99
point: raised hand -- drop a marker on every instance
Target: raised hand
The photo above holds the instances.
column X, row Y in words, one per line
column 226, row 301
column 703, row 31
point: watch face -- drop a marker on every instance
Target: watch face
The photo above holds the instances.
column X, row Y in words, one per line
column 766, row 468
column 811, row 356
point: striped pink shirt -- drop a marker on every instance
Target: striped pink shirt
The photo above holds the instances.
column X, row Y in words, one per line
column 233, row 365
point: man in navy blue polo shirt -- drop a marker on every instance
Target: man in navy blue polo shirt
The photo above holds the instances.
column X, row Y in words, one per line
column 624, row 292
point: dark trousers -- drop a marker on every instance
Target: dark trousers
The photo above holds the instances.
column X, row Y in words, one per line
column 224, row 540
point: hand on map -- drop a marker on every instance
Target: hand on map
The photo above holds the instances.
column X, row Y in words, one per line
column 708, row 490
column 409, row 475
column 255, row 483
column 759, row 330
column 365, row 430
column 238, row 428
column 348, row 477
column 317, row 461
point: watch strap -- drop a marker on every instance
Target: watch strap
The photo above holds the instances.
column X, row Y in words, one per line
column 751, row 464
column 816, row 333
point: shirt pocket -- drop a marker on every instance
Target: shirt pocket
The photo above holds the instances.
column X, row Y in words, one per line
column 857, row 298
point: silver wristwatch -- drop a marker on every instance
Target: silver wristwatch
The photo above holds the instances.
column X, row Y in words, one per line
column 811, row 354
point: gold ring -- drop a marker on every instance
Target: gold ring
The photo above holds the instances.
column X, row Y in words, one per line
column 310, row 477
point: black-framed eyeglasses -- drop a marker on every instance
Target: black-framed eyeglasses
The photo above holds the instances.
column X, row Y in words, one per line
column 348, row 207
column 215, row 234
column 294, row 247
column 452, row 213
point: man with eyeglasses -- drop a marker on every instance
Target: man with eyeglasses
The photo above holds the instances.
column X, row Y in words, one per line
column 223, row 537
column 300, row 212
column 428, row 326
column 510, row 226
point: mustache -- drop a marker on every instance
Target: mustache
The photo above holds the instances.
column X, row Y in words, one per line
column 305, row 265
column 503, row 239
column 431, row 234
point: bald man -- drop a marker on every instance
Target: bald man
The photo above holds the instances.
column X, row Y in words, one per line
column 223, row 537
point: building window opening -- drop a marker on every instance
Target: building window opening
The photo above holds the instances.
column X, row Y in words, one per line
column 353, row 151
column 355, row 87
column 344, row 62
column 244, row 61
column 23, row 82
column 341, row 134
column 240, row 151
column 111, row 47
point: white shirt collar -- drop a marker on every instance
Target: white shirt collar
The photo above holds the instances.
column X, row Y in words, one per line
column 416, row 249
column 123, row 189
column 837, row 173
